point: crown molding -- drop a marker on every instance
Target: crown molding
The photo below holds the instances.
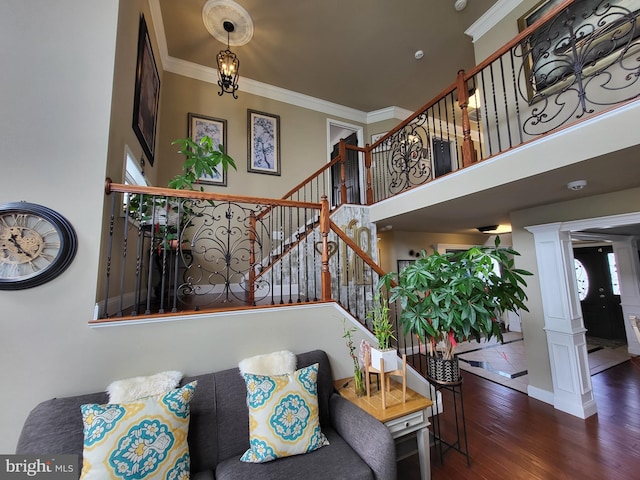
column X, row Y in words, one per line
column 247, row 85
column 396, row 113
column 491, row 18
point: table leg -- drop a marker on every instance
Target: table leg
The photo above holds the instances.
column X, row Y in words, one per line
column 424, row 455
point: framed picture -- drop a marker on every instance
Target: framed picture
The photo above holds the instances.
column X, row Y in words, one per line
column 216, row 128
column 147, row 94
column 263, row 133
column 598, row 31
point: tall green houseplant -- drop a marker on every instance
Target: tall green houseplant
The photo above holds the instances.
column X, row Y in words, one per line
column 202, row 158
column 447, row 298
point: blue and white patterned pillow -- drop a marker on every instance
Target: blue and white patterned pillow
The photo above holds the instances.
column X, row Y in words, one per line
column 283, row 415
column 142, row 439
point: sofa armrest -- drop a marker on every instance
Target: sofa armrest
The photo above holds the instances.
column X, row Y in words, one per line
column 367, row 436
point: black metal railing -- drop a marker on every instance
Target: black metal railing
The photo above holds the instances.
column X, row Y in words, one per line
column 578, row 60
column 173, row 251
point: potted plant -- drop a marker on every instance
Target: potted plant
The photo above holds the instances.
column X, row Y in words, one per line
column 202, row 158
column 453, row 297
column 383, row 331
column 358, row 373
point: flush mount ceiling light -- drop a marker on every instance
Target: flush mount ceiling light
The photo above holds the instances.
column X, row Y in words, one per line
column 488, row 228
column 577, row 185
column 494, row 229
column 221, row 18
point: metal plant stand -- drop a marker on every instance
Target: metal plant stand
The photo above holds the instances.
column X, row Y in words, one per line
column 460, row 443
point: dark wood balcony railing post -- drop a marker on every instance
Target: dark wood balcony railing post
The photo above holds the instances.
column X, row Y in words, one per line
column 342, row 152
column 367, row 166
column 468, row 152
column 325, row 225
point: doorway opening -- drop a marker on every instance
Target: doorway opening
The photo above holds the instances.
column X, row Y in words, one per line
column 354, row 163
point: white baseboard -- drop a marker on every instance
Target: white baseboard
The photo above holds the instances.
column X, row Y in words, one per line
column 539, row 394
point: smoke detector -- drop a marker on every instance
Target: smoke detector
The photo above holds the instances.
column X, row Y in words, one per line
column 577, row 185
column 460, row 5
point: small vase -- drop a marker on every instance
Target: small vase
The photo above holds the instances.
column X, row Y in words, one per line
column 358, row 383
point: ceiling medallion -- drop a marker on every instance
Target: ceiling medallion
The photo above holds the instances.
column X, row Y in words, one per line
column 216, row 12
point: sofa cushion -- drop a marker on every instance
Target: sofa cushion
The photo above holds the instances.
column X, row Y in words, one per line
column 203, row 437
column 143, row 439
column 233, row 415
column 336, row 461
column 275, row 363
column 283, row 415
column 130, row 389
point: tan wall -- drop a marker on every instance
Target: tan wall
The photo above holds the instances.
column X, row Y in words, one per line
column 121, row 132
column 504, row 31
column 303, row 135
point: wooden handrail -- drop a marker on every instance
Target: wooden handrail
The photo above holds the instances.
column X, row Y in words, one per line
column 351, row 244
column 194, row 194
column 471, row 73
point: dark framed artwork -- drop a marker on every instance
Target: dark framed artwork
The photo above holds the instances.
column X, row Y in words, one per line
column 263, row 133
column 216, row 128
column 599, row 30
column 147, row 94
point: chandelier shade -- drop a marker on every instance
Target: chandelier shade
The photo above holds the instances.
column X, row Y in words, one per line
column 228, row 66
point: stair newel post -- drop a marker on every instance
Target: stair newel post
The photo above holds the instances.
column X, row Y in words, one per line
column 367, row 166
column 325, row 275
column 251, row 298
column 342, row 152
column 468, row 152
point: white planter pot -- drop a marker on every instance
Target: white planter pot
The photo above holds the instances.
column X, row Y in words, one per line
column 389, row 356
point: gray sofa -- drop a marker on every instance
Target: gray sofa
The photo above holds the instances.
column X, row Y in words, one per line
column 360, row 446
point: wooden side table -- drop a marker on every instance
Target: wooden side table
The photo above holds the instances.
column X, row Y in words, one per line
column 405, row 420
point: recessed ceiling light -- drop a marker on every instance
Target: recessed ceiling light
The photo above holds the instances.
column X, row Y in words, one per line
column 419, row 54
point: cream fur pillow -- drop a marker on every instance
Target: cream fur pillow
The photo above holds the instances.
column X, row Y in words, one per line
column 276, row 363
column 131, row 389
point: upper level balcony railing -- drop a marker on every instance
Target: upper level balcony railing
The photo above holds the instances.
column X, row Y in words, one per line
column 579, row 60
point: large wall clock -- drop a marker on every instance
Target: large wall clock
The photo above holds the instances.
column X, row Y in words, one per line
column 36, row 245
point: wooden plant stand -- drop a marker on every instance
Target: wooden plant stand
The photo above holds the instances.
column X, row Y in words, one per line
column 385, row 380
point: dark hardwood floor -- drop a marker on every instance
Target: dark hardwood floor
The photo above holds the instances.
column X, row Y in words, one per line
column 512, row 436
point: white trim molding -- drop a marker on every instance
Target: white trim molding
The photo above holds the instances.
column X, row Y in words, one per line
column 491, row 18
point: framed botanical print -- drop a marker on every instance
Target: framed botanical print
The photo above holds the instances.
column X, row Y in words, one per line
column 147, row 94
column 216, row 129
column 263, row 133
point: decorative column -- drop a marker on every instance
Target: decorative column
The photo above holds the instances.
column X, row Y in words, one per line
column 563, row 322
column 628, row 264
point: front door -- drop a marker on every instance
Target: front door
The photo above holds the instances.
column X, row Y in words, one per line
column 352, row 174
column 599, row 292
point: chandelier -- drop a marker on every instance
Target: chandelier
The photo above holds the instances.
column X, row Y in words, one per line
column 228, row 65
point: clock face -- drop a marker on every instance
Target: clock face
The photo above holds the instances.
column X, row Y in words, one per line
column 36, row 245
